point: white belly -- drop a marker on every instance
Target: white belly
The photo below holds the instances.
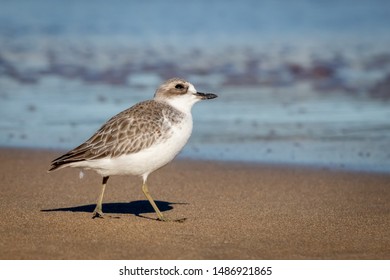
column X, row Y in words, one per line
column 145, row 161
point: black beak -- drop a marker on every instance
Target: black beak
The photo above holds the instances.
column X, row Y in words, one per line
column 206, row 95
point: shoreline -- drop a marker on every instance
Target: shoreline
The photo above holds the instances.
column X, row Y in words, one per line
column 248, row 163
column 233, row 211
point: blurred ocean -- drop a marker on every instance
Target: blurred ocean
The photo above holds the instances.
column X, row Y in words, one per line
column 299, row 82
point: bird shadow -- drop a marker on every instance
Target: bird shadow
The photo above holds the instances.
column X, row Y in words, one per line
column 136, row 208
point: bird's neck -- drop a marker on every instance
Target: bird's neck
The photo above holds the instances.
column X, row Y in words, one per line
column 181, row 104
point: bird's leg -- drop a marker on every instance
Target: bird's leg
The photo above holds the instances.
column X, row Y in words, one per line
column 98, row 213
column 148, row 196
column 159, row 214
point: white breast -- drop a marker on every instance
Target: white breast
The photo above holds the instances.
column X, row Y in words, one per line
column 145, row 161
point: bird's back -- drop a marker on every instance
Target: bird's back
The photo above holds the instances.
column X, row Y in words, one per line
column 129, row 132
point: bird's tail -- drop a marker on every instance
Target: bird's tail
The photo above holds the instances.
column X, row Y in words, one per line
column 65, row 160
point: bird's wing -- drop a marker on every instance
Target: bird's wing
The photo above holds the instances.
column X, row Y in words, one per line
column 131, row 131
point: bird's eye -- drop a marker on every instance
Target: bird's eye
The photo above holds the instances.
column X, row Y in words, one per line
column 179, row 86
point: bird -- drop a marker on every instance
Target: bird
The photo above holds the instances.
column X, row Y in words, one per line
column 139, row 140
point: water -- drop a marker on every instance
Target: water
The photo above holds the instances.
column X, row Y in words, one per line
column 299, row 82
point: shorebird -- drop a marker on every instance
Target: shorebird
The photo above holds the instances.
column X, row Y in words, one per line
column 139, row 140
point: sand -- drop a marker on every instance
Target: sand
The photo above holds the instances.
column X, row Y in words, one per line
column 233, row 211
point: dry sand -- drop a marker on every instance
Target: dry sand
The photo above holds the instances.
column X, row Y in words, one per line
column 233, row 211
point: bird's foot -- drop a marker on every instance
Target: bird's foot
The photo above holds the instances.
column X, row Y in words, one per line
column 97, row 214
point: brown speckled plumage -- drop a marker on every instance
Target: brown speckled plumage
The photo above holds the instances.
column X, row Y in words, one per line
column 130, row 131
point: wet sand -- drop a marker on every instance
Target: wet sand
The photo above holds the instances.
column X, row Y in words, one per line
column 233, row 211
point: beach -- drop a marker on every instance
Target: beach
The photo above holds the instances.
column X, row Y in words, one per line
column 233, row 211
column 298, row 83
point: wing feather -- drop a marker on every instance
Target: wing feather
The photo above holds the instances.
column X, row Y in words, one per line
column 130, row 131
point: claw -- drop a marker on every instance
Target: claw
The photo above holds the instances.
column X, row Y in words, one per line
column 97, row 215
